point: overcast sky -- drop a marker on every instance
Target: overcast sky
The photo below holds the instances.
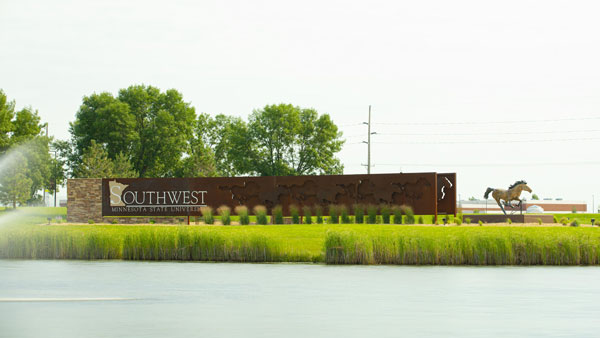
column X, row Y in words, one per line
column 468, row 66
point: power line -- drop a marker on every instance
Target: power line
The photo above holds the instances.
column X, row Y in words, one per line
column 489, row 133
column 504, row 141
column 504, row 164
column 351, row 125
column 489, row 122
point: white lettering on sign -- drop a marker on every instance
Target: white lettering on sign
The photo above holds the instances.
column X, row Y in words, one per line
column 180, row 200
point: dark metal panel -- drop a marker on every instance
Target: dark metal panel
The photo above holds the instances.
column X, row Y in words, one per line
column 183, row 196
column 446, row 196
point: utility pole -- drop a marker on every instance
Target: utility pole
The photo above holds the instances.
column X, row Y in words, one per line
column 368, row 142
column 369, row 145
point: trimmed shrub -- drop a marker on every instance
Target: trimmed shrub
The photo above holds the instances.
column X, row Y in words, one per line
column 207, row 214
column 575, row 223
column 555, row 219
column 225, row 213
column 421, row 220
column 385, row 213
column 359, row 214
column 90, row 221
column 306, row 212
column 371, row 214
column 480, row 223
column 345, row 216
column 319, row 214
column 468, row 220
column 539, row 220
column 261, row 214
column 334, row 214
column 564, row 221
column 114, row 221
column 151, row 221
column 277, row 214
column 397, row 211
column 295, row 212
column 509, row 221
column 475, row 211
column 242, row 212
column 457, row 221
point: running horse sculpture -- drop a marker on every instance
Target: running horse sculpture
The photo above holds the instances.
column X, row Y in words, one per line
column 512, row 194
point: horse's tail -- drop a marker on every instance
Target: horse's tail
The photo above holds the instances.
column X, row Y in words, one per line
column 487, row 192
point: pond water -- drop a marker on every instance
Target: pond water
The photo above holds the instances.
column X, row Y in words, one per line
column 155, row 299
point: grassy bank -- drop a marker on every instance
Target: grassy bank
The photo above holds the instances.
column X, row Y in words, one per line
column 22, row 235
column 466, row 246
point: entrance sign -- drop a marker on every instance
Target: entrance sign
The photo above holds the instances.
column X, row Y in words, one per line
column 426, row 193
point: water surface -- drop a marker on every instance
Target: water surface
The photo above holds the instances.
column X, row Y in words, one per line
column 150, row 299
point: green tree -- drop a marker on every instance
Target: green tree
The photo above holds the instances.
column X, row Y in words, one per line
column 150, row 127
column 106, row 120
column 122, row 167
column 534, row 197
column 201, row 163
column 26, row 125
column 7, row 113
column 95, row 163
column 15, row 185
column 40, row 163
column 289, row 140
column 66, row 156
column 226, row 138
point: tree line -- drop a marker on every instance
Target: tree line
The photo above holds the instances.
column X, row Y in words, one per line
column 145, row 132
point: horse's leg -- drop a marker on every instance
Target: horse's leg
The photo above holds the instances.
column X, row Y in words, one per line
column 501, row 207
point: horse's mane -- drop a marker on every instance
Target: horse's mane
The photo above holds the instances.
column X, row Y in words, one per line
column 517, row 183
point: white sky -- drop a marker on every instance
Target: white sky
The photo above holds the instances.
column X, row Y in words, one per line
column 413, row 61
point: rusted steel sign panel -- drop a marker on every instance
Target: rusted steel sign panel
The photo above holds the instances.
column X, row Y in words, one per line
column 446, row 193
column 185, row 196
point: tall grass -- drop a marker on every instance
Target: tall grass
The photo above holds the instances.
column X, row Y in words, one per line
column 277, row 214
column 307, row 213
column 344, row 215
column 242, row 212
column 397, row 211
column 410, row 215
column 207, row 214
column 225, row 213
column 359, row 213
column 334, row 214
column 475, row 246
column 385, row 213
column 295, row 213
column 261, row 214
column 186, row 243
column 319, row 214
column 334, row 244
column 371, row 214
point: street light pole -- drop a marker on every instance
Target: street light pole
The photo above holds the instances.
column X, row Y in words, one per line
column 55, row 173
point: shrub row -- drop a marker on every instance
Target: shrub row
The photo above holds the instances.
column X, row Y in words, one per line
column 384, row 214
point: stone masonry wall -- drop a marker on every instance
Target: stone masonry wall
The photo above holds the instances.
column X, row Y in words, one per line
column 84, row 200
column 84, row 203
